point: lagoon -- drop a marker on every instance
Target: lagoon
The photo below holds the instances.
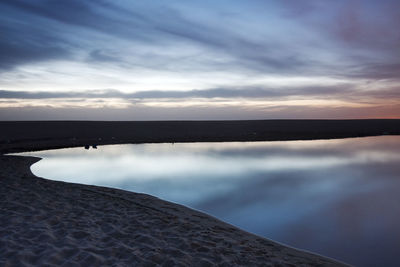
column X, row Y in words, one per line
column 338, row 197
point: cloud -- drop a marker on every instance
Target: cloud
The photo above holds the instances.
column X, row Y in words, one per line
column 377, row 71
column 23, row 43
column 87, row 15
column 361, row 36
column 235, row 112
column 39, row 31
column 244, row 92
column 304, row 99
column 228, row 93
column 109, row 32
column 98, row 55
column 66, row 29
column 218, row 47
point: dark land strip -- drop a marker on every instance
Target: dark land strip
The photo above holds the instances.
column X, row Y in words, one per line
column 20, row 136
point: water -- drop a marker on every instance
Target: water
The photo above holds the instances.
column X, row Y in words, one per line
column 339, row 198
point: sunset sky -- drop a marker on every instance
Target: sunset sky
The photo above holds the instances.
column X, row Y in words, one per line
column 173, row 60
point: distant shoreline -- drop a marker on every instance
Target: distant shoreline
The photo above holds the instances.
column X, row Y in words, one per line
column 22, row 136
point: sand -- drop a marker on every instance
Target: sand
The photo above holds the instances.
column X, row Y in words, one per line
column 50, row 223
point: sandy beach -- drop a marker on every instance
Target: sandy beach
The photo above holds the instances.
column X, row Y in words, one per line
column 49, row 223
column 45, row 222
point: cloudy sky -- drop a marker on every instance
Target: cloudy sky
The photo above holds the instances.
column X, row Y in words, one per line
column 210, row 59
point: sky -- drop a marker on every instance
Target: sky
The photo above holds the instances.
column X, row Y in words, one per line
column 199, row 60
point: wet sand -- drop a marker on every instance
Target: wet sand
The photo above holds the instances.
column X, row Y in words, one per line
column 45, row 222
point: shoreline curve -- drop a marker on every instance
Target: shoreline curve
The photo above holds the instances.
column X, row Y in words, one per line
column 52, row 222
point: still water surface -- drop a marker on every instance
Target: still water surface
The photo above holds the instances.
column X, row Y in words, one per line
column 339, row 198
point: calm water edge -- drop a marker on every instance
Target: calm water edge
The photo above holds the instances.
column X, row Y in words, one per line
column 339, row 198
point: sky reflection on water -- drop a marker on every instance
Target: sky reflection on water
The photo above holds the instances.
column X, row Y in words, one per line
column 339, row 198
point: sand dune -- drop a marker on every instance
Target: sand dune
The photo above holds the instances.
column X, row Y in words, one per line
column 46, row 222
